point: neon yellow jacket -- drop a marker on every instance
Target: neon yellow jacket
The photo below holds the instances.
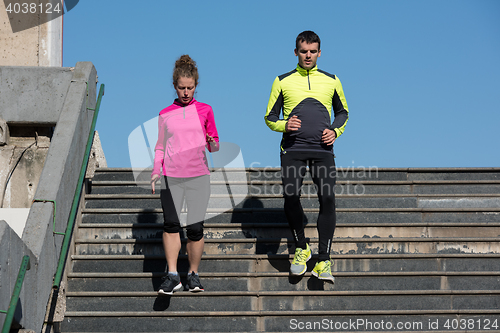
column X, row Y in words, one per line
column 310, row 95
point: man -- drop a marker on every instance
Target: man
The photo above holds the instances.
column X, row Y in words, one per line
column 307, row 95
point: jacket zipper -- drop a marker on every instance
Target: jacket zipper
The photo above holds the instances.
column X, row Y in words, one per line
column 308, row 82
column 184, row 111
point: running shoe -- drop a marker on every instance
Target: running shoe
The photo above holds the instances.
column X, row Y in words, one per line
column 194, row 283
column 323, row 271
column 170, row 284
column 299, row 263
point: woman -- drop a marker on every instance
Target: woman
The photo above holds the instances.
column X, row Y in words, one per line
column 185, row 128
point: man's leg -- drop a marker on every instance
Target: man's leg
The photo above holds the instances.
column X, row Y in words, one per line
column 293, row 169
column 323, row 173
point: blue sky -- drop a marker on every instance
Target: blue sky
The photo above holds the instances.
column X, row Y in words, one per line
column 421, row 78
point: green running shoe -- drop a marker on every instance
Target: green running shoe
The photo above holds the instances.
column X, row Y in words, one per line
column 323, row 271
column 299, row 263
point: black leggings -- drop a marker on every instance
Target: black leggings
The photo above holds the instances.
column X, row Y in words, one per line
column 323, row 172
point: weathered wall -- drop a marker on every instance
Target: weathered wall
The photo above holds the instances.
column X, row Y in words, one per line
column 37, row 46
column 33, row 94
column 17, row 217
column 58, row 182
column 12, row 251
column 64, row 147
column 45, row 117
column 31, row 104
column 21, row 167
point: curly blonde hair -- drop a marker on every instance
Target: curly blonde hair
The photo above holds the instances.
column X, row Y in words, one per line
column 185, row 67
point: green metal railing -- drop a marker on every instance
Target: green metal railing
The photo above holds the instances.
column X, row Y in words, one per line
column 78, row 193
column 15, row 294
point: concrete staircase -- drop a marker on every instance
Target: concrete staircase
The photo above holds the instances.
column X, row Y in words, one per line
column 414, row 249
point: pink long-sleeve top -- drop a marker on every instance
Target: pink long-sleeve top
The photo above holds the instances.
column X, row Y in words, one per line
column 182, row 130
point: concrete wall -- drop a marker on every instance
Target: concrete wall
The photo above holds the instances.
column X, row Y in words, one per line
column 17, row 218
column 20, row 170
column 44, row 125
column 12, row 251
column 58, row 178
column 33, row 94
column 40, row 45
column 31, row 104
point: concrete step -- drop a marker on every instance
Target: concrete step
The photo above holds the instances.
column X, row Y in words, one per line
column 276, row 230
column 251, row 215
column 385, row 300
column 361, row 173
column 363, row 245
column 437, row 321
column 447, row 271
column 342, row 187
column 282, row 281
column 281, row 263
column 152, row 201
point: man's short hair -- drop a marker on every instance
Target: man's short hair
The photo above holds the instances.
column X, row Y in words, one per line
column 309, row 37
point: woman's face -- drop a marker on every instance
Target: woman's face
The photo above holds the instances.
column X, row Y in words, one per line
column 185, row 88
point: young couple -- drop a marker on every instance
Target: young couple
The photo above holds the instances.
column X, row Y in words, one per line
column 306, row 96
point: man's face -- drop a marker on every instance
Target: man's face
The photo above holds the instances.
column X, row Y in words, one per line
column 308, row 54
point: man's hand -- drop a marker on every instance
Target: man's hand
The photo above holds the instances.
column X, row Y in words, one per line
column 292, row 124
column 328, row 136
column 154, row 179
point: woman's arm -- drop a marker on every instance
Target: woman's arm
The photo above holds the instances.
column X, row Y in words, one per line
column 159, row 150
column 212, row 135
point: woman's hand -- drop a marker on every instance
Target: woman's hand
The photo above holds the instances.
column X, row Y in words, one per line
column 154, row 179
column 214, row 145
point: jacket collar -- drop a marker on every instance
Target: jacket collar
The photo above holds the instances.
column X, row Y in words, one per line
column 176, row 102
column 303, row 71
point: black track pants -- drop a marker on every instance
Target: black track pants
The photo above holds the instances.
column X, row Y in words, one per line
column 322, row 168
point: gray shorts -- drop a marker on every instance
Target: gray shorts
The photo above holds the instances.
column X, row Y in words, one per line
column 193, row 193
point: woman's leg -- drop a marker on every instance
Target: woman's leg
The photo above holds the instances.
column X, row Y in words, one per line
column 171, row 246
column 195, row 251
column 171, row 197
column 197, row 197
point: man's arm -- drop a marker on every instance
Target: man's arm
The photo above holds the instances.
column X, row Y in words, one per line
column 274, row 107
column 341, row 112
